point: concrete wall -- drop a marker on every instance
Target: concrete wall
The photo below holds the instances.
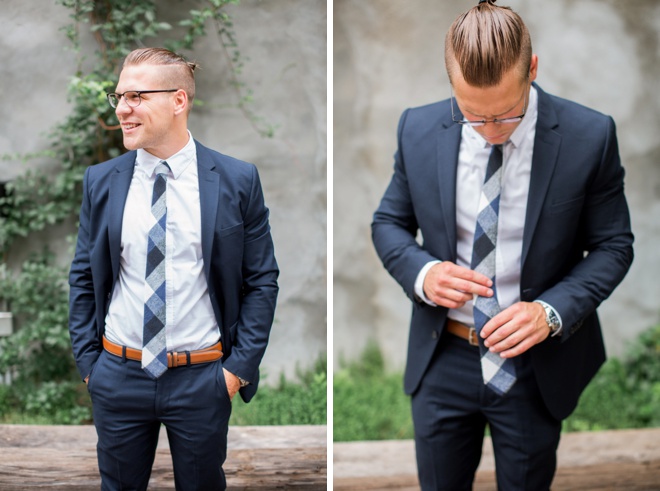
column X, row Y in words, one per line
column 284, row 42
column 388, row 55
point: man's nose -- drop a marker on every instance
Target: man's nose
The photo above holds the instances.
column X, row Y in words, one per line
column 122, row 106
column 491, row 129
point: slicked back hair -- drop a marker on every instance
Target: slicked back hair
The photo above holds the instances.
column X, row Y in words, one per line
column 486, row 42
column 181, row 78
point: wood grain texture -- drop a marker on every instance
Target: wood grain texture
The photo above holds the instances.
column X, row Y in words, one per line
column 605, row 461
column 260, row 458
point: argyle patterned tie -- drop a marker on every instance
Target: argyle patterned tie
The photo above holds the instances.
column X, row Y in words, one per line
column 499, row 373
column 154, row 351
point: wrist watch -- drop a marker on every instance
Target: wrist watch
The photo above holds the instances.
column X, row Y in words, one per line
column 243, row 382
column 550, row 317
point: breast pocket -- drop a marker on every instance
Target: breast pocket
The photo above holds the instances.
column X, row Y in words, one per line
column 228, row 245
column 566, row 206
column 227, row 231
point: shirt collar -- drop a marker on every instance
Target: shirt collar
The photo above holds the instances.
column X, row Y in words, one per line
column 177, row 162
column 527, row 125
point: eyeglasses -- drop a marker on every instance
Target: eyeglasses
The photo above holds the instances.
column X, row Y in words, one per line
column 132, row 97
column 514, row 119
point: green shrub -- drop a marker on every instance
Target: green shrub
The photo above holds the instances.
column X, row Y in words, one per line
column 625, row 393
column 369, row 404
column 59, row 403
column 45, row 384
column 290, row 403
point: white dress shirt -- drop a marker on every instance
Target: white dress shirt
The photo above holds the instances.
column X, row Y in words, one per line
column 473, row 156
column 190, row 322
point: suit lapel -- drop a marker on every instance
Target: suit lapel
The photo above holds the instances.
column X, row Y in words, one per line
column 120, row 181
column 449, row 140
column 546, row 149
column 209, row 194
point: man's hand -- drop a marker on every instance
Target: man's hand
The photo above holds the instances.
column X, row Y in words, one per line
column 516, row 329
column 449, row 285
column 233, row 384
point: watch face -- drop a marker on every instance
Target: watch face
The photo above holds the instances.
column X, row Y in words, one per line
column 551, row 319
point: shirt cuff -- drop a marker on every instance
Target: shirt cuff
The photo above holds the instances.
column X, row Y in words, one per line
column 419, row 283
column 561, row 324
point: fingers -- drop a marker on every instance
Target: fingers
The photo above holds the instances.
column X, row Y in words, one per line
column 470, row 280
column 450, row 285
column 233, row 384
column 516, row 329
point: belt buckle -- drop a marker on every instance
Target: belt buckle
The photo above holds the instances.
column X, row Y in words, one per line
column 472, row 337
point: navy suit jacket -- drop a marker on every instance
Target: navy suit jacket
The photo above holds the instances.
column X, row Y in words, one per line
column 577, row 241
column 237, row 248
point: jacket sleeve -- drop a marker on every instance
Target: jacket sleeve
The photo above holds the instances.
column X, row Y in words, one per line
column 606, row 237
column 259, row 290
column 394, row 227
column 82, row 306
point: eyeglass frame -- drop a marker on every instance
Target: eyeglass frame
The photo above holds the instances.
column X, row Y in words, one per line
column 482, row 122
column 110, row 95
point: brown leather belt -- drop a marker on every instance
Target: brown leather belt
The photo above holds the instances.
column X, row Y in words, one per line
column 462, row 331
column 174, row 358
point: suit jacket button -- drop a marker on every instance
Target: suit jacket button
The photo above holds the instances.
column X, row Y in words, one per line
column 434, row 334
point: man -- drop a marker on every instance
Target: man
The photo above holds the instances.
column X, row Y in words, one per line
column 525, row 229
column 173, row 284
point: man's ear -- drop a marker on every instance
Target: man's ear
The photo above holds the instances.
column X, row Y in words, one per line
column 533, row 68
column 180, row 102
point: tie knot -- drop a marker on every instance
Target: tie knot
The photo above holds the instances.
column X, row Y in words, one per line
column 162, row 168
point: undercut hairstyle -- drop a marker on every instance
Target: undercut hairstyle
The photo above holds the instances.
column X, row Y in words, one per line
column 182, row 77
column 486, row 42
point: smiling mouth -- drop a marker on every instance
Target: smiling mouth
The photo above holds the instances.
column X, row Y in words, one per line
column 130, row 126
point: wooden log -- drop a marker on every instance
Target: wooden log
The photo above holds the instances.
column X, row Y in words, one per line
column 608, row 461
column 258, row 457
